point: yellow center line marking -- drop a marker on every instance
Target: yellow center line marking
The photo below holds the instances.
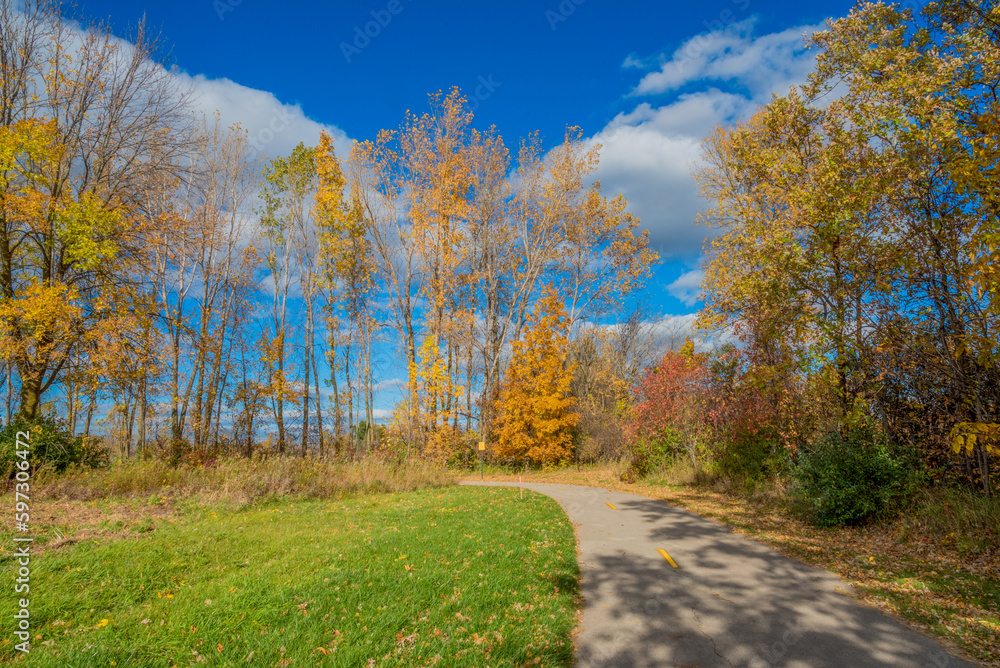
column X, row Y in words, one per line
column 663, row 553
column 611, row 506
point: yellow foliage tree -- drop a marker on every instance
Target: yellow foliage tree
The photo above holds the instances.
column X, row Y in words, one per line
column 63, row 276
column 89, row 127
column 535, row 417
column 435, row 383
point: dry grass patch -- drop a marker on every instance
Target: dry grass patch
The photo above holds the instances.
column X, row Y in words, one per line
column 242, row 481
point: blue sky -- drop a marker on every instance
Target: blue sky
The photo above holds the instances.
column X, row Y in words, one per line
column 645, row 79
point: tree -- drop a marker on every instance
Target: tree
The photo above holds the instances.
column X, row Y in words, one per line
column 671, row 401
column 75, row 165
column 796, row 193
column 535, row 417
column 860, row 226
column 287, row 194
column 602, row 255
column 923, row 89
column 347, row 269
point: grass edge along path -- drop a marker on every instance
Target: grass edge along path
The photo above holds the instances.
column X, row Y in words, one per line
column 928, row 587
column 459, row 576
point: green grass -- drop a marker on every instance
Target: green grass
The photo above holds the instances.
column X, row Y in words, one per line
column 449, row 577
column 960, row 606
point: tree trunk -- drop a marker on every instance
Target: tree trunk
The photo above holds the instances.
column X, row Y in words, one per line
column 350, row 392
column 218, row 409
column 337, row 410
column 211, row 415
column 370, row 434
column 142, row 415
column 175, row 363
column 280, row 399
column 71, row 407
column 468, row 379
column 10, row 393
column 199, row 395
column 305, row 385
column 90, row 412
column 319, row 407
column 30, row 397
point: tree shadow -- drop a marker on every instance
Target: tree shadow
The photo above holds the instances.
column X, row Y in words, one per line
column 731, row 602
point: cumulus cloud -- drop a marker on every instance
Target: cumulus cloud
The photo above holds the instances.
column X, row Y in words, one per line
column 759, row 64
column 687, row 287
column 673, row 330
column 648, row 155
column 650, row 151
column 393, row 384
column 273, row 127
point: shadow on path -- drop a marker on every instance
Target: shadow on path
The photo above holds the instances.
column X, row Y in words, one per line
column 732, row 601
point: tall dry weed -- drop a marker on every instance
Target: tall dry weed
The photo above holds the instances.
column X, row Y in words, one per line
column 243, row 481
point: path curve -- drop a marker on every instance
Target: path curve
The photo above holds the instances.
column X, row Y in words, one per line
column 731, row 602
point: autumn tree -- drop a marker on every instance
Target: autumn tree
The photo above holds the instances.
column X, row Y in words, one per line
column 347, row 270
column 75, row 164
column 671, row 406
column 602, row 255
column 546, row 225
column 375, row 174
column 924, row 95
column 535, row 418
column 859, row 224
column 287, row 204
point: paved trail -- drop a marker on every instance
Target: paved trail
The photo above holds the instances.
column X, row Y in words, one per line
column 731, row 602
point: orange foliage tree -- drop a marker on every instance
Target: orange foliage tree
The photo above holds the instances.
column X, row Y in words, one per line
column 535, row 418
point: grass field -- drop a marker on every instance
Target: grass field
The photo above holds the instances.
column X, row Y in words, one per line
column 458, row 576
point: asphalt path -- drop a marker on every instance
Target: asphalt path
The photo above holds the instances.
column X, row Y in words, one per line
column 665, row 587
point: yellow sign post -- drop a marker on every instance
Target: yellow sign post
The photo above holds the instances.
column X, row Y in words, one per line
column 482, row 452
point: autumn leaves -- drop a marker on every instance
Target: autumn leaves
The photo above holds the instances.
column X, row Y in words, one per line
column 465, row 245
column 536, row 417
column 860, row 227
column 87, row 127
column 150, row 261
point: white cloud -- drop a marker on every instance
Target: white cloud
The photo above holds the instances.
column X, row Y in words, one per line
column 273, row 127
column 393, row 384
column 633, row 62
column 733, row 54
column 687, row 287
column 649, row 152
column 673, row 330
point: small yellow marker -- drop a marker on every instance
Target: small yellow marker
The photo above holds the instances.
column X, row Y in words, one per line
column 482, row 458
column 611, row 506
column 663, row 553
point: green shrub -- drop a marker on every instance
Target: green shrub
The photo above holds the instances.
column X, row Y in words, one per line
column 852, row 478
column 751, row 457
column 50, row 445
column 651, row 454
